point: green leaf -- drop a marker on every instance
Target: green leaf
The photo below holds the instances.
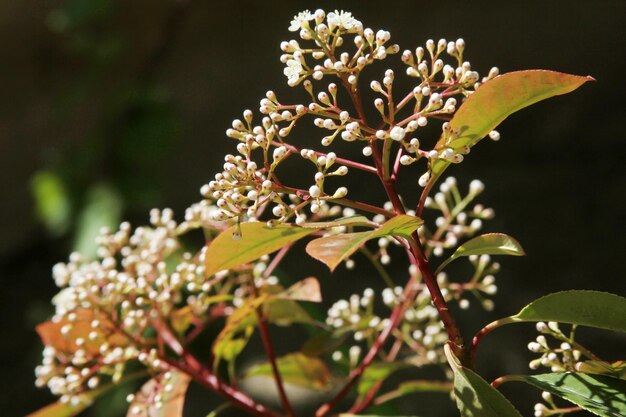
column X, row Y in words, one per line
column 586, row 308
column 52, row 202
column 377, row 372
column 498, row 98
column 297, row 369
column 487, row 244
column 102, row 208
column 416, row 386
column 332, row 250
column 601, row 395
column 474, row 396
column 344, row 221
column 173, row 401
column 256, row 240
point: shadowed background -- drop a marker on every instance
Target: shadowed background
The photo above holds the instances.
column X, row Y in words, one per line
column 110, row 108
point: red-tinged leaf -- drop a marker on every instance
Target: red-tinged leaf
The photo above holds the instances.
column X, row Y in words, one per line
column 333, row 250
column 51, row 335
column 497, row 99
column 306, row 290
column 172, row 401
column 256, row 240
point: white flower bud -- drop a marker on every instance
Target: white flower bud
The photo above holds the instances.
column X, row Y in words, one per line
column 314, row 191
column 397, row 133
column 476, row 187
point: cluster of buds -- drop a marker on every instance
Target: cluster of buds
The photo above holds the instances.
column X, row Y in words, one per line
column 562, row 358
column 327, row 32
column 456, row 221
column 107, row 308
column 550, row 408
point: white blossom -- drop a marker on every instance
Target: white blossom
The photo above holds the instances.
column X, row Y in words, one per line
column 344, row 20
column 301, row 21
column 292, row 71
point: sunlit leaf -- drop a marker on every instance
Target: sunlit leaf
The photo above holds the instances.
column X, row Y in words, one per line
column 601, row 395
column 474, row 396
column 497, row 99
column 586, row 308
column 171, row 401
column 256, row 240
column 306, row 290
column 51, row 335
column 297, row 369
column 332, row 250
column 487, row 244
column 237, row 331
column 614, row 370
column 345, row 221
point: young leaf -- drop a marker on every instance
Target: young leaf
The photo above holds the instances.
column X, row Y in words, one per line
column 598, row 394
column 487, row 244
column 171, row 403
column 586, row 308
column 256, row 240
column 474, row 396
column 497, row 99
column 306, row 290
column 51, row 335
column 297, row 369
column 332, row 250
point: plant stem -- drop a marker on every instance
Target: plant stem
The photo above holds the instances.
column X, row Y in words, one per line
column 267, row 342
column 482, row 333
column 201, row 374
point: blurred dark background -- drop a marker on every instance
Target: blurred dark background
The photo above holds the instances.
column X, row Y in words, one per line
column 110, row 108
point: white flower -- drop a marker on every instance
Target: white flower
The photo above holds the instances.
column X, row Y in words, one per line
column 344, row 20
column 301, row 21
column 292, row 71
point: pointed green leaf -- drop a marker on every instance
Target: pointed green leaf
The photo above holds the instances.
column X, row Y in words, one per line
column 332, row 250
column 344, row 221
column 172, row 401
column 415, row 386
column 256, row 240
column 586, row 308
column 497, row 99
column 487, row 244
column 601, row 395
column 297, row 369
column 474, row 396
